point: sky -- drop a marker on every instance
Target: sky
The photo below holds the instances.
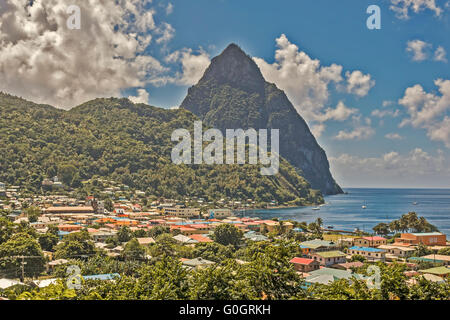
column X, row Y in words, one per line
column 377, row 100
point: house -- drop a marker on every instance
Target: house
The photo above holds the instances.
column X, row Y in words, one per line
column 253, row 236
column 103, row 277
column 317, row 246
column 69, row 227
column 53, row 264
column 197, row 263
column 328, row 258
column 7, row 283
column 220, row 213
column 304, row 264
column 348, row 265
column 145, row 241
column 184, row 239
column 329, row 275
column 438, row 257
column 427, row 238
column 200, row 238
column 68, row 210
column 181, row 212
column 368, row 253
column 443, row 271
column 369, row 241
column 393, row 251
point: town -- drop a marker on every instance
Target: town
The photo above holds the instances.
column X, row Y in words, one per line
column 43, row 237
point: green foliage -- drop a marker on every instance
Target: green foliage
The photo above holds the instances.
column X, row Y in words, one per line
column 21, row 249
column 48, row 241
column 75, row 245
column 133, row 250
column 129, row 143
column 227, row 234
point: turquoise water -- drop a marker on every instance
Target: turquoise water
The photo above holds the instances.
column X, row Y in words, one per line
column 344, row 211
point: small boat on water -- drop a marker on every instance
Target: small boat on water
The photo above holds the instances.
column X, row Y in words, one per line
column 330, row 227
column 316, row 208
column 415, row 203
column 364, row 207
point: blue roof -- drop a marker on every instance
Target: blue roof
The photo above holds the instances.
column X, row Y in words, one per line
column 107, row 276
column 366, row 249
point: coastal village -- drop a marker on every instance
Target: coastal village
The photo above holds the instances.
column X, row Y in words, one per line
column 321, row 260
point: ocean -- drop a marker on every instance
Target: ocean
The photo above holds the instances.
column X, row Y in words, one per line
column 345, row 212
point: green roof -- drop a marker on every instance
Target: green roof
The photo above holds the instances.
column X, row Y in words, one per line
column 331, row 254
column 314, row 244
column 337, row 273
column 428, row 234
column 437, row 270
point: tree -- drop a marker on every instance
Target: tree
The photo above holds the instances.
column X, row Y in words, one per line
column 381, row 228
column 33, row 213
column 48, row 241
column 124, row 234
column 6, row 229
column 109, row 205
column 227, row 234
column 133, row 250
column 20, row 253
column 357, row 257
column 75, row 245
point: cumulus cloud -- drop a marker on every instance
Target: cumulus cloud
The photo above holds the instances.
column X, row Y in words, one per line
column 385, row 113
column 429, row 111
column 393, row 136
column 417, row 167
column 359, row 83
column 142, row 96
column 402, row 7
column 440, row 54
column 43, row 60
column 361, row 130
column 307, row 83
column 418, row 49
column 193, row 65
column 169, row 8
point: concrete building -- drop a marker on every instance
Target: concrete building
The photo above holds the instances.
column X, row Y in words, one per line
column 328, row 258
column 368, row 253
column 427, row 238
column 304, row 264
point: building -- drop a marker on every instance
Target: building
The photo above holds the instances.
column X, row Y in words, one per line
column 328, row 258
column 181, row 212
column 427, row 238
column 329, row 275
column 220, row 213
column 317, row 246
column 368, row 253
column 304, row 264
column 197, row 263
column 68, row 210
column 397, row 251
column 145, row 241
column 438, row 271
column 369, row 241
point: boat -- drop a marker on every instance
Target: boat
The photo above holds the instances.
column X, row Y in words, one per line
column 415, row 203
column 364, row 207
column 316, row 208
column 330, row 227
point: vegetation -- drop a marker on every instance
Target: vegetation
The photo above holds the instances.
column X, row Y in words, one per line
column 129, row 143
column 407, row 222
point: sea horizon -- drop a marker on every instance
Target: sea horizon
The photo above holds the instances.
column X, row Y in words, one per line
column 345, row 212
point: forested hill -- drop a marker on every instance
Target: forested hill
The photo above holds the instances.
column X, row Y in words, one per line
column 234, row 94
column 129, row 143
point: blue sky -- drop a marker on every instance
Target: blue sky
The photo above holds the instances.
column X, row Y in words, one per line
column 332, row 32
column 380, row 136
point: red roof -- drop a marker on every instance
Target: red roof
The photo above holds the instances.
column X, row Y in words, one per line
column 375, row 238
column 301, row 260
column 200, row 238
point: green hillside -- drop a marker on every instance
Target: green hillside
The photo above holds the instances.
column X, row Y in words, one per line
column 129, row 143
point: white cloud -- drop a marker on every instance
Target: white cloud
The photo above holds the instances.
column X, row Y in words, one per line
column 360, row 131
column 388, row 103
column 402, row 7
column 440, row 54
column 166, row 32
column 385, row 113
column 142, row 97
column 42, row 60
column 193, row 66
column 417, row 168
column 307, row 83
column 429, row 110
column 418, row 49
column 359, row 83
column 393, row 136
column 169, row 8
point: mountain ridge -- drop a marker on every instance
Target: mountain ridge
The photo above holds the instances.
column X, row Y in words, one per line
column 233, row 94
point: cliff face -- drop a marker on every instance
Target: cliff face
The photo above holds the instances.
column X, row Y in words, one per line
column 234, row 94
